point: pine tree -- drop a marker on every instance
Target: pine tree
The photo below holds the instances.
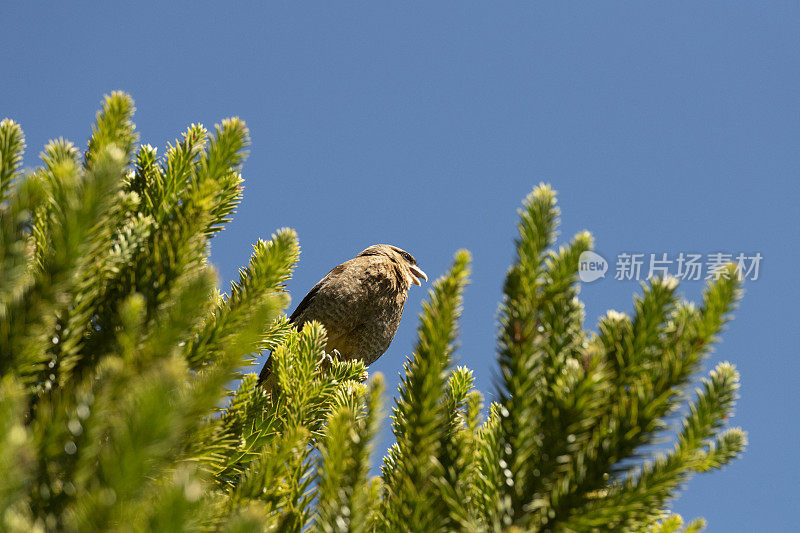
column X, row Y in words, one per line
column 116, row 349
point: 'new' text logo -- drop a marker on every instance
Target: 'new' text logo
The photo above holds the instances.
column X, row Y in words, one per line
column 591, row 266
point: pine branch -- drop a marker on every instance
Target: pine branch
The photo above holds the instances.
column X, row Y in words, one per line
column 344, row 492
column 17, row 282
column 221, row 166
column 80, row 204
column 12, row 147
column 639, row 498
column 270, row 267
column 541, row 345
column 673, row 523
column 113, row 127
column 492, row 471
column 522, row 363
column 420, row 422
column 15, row 452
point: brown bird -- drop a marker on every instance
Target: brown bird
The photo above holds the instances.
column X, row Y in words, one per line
column 360, row 303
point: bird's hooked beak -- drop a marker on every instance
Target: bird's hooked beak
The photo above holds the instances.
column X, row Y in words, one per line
column 417, row 273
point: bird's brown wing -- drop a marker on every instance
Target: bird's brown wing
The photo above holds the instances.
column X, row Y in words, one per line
column 305, row 302
column 266, row 370
column 296, row 319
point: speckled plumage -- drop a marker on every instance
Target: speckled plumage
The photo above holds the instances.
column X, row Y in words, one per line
column 360, row 303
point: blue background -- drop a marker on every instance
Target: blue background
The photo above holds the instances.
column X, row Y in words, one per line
column 665, row 127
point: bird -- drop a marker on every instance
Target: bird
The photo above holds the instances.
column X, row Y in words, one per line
column 360, row 303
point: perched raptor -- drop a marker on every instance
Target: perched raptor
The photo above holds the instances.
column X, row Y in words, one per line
column 360, row 303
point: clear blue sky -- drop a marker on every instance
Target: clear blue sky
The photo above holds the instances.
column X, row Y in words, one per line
column 665, row 127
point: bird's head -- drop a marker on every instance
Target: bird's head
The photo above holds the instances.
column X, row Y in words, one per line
column 406, row 264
